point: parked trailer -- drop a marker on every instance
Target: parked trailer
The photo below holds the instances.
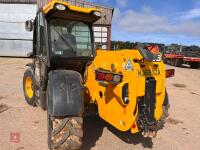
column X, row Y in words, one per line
column 179, row 59
column 176, row 55
column 194, row 62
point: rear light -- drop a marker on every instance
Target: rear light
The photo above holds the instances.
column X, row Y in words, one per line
column 108, row 76
column 117, row 78
column 100, row 76
column 170, row 73
column 134, row 126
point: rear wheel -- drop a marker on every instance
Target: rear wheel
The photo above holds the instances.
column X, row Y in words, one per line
column 178, row 62
column 29, row 87
column 65, row 133
column 194, row 65
column 166, row 107
column 43, row 102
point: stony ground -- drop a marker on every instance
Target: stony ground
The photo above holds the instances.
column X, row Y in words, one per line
column 25, row 128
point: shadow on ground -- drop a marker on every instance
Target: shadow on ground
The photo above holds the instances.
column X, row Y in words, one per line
column 93, row 129
column 184, row 66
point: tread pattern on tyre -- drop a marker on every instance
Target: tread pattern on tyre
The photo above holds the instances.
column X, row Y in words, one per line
column 66, row 133
column 162, row 121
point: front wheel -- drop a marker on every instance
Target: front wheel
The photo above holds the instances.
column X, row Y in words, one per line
column 65, row 133
column 29, row 87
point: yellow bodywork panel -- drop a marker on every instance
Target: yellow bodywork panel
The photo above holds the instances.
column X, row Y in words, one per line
column 108, row 96
column 51, row 5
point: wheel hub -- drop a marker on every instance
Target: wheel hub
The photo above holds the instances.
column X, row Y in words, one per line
column 29, row 87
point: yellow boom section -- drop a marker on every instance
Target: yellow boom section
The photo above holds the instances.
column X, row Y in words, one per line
column 51, row 5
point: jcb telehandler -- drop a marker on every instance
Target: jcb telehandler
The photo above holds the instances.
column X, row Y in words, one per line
column 68, row 76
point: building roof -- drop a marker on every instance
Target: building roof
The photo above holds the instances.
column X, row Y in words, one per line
column 107, row 11
column 18, row 1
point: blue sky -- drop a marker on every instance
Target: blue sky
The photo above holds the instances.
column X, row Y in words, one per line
column 169, row 21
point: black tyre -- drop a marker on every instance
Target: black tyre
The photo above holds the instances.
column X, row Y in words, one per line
column 43, row 101
column 173, row 62
column 194, row 65
column 166, row 107
column 65, row 133
column 178, row 62
column 29, row 87
column 166, row 101
column 164, row 59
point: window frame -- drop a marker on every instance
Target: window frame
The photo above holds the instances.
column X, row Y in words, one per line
column 43, row 52
column 90, row 25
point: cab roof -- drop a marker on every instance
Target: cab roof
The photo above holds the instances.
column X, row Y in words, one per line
column 50, row 6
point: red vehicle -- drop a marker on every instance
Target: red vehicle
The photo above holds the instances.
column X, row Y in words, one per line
column 177, row 60
column 185, row 55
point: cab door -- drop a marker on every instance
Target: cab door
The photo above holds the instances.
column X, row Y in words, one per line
column 41, row 62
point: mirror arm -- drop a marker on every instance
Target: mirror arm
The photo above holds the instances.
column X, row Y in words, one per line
column 30, row 55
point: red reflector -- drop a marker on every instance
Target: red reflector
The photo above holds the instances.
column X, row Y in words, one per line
column 170, row 73
column 134, row 126
column 100, row 76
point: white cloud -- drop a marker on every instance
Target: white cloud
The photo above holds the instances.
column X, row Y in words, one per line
column 122, row 3
column 191, row 14
column 146, row 21
column 146, row 9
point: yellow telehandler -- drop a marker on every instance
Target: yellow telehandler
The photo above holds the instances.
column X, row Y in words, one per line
column 68, row 76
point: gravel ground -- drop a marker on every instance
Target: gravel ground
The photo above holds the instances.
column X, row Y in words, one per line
column 25, row 128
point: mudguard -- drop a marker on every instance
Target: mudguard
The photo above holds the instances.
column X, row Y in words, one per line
column 65, row 93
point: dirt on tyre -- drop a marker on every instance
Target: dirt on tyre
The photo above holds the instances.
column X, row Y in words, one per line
column 29, row 87
column 65, row 133
column 165, row 115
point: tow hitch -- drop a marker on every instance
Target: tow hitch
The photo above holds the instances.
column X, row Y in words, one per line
column 146, row 106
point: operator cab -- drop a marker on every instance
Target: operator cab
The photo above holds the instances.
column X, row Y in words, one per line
column 70, row 39
column 63, row 35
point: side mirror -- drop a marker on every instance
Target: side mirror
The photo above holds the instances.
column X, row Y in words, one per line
column 29, row 25
column 30, row 55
